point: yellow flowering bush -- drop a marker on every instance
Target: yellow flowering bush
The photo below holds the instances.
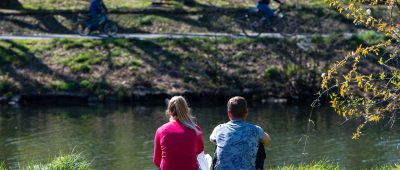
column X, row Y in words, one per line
column 373, row 94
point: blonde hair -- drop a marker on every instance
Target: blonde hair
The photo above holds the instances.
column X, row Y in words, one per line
column 179, row 109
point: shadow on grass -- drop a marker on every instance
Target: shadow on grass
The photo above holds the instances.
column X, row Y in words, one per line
column 10, row 4
column 209, row 18
column 200, row 65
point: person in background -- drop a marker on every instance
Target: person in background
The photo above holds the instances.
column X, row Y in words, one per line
column 237, row 141
column 178, row 142
column 263, row 6
column 97, row 12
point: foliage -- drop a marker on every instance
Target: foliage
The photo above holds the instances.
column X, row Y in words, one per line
column 356, row 92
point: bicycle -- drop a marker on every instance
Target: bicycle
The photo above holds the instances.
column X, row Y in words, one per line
column 102, row 24
column 253, row 24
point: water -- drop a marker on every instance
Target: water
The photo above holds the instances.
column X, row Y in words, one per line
column 121, row 137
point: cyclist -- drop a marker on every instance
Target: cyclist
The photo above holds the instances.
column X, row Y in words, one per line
column 97, row 12
column 263, row 6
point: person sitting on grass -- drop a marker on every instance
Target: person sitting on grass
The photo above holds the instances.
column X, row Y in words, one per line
column 97, row 12
column 178, row 142
column 237, row 141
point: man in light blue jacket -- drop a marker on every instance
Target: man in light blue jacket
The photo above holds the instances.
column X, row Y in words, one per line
column 237, row 141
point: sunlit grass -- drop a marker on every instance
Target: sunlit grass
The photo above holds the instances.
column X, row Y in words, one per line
column 320, row 165
column 130, row 4
column 3, row 166
column 77, row 162
column 327, row 165
column 63, row 162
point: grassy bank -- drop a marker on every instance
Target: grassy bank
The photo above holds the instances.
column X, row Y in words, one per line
column 289, row 68
column 327, row 165
column 64, row 162
column 302, row 19
column 131, row 4
column 76, row 162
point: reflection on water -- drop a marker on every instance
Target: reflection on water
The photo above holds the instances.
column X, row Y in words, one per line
column 121, row 137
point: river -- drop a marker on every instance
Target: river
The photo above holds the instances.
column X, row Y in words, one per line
column 121, row 136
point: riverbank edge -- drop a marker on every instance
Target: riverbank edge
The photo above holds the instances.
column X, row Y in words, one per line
column 76, row 161
column 144, row 96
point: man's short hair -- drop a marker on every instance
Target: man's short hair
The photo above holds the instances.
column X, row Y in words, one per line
column 237, row 106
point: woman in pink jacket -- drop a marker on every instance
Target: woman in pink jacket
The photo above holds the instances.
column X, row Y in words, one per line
column 178, row 142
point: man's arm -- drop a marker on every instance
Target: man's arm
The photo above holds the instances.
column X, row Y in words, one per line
column 213, row 136
column 263, row 136
column 265, row 139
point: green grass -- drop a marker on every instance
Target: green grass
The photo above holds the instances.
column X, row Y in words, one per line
column 69, row 162
column 326, row 165
column 77, row 162
column 130, row 4
column 3, row 166
column 118, row 66
column 12, row 54
column 370, row 37
column 8, row 85
column 320, row 165
column 82, row 62
column 63, row 162
column 61, row 86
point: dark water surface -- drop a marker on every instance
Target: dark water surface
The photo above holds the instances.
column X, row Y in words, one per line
column 121, row 136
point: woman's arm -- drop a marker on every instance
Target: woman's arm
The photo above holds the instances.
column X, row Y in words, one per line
column 157, row 150
column 199, row 143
